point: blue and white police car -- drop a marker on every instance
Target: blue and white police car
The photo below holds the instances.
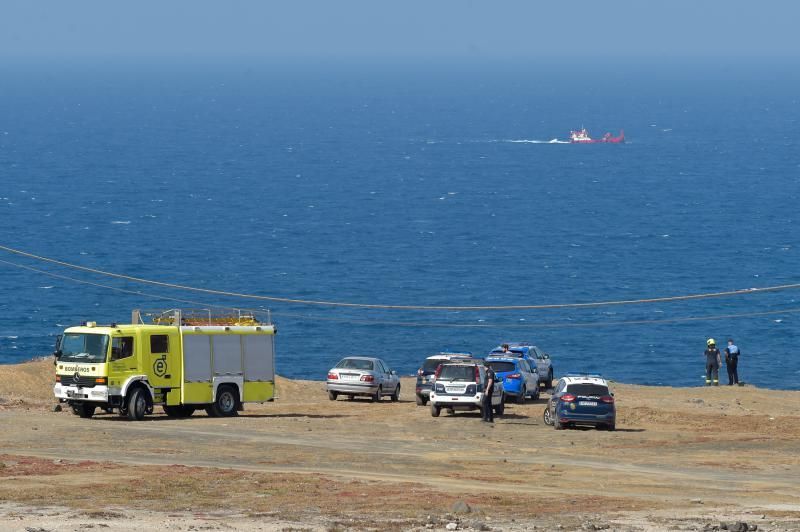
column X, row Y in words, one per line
column 581, row 400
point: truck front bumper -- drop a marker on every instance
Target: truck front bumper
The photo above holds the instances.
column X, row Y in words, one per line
column 78, row 393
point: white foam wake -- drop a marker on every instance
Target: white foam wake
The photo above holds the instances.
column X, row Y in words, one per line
column 531, row 141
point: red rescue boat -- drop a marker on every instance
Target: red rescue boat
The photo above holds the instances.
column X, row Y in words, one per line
column 582, row 137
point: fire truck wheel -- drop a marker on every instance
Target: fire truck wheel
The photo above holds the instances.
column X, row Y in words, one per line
column 137, row 404
column 86, row 410
column 226, row 404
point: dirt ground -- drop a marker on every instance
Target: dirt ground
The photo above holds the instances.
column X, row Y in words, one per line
column 681, row 459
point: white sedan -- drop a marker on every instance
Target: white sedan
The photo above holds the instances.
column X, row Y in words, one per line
column 368, row 376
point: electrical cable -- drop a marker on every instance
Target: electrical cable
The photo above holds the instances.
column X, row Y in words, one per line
column 401, row 307
column 422, row 324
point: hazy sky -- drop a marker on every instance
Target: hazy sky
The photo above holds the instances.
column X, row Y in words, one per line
column 400, row 29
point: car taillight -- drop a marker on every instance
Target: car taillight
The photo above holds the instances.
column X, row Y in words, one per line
column 477, row 375
column 333, row 376
column 368, row 378
column 514, row 376
column 607, row 399
column 567, row 397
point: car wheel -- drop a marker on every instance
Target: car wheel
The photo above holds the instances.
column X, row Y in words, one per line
column 536, row 394
column 332, row 395
column 612, row 426
column 557, row 423
column 435, row 410
column 549, row 383
column 377, row 397
column 546, row 417
column 521, row 397
column 396, row 394
column 351, row 397
column 421, row 400
column 499, row 409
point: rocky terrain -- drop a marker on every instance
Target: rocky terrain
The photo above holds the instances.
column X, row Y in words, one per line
column 681, row 459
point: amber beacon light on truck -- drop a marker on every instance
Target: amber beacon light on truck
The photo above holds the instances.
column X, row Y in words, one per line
column 181, row 360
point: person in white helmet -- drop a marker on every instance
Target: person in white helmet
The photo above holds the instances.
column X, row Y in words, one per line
column 713, row 362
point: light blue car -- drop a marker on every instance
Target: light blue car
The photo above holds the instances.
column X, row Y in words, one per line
column 520, row 379
column 535, row 356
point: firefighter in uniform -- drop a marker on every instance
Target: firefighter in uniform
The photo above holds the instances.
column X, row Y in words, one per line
column 713, row 362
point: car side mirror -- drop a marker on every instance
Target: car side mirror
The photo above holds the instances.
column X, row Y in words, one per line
column 546, row 356
column 392, row 372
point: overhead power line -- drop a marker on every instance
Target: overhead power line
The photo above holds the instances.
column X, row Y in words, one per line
column 364, row 322
column 665, row 299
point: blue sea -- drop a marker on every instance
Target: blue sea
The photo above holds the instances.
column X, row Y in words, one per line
column 423, row 185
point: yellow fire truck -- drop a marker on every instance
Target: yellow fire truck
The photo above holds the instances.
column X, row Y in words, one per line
column 180, row 360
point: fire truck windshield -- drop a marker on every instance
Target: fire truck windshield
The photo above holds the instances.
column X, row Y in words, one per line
column 80, row 347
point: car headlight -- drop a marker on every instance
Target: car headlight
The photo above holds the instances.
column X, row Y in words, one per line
column 471, row 389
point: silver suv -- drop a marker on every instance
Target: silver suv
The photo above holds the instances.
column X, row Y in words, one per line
column 459, row 386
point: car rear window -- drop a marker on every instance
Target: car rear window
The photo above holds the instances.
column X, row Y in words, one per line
column 588, row 389
column 502, row 366
column 457, row 373
column 431, row 365
column 354, row 363
column 511, row 353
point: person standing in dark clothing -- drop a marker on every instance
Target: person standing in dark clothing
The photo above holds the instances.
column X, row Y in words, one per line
column 732, row 362
column 488, row 413
column 713, row 361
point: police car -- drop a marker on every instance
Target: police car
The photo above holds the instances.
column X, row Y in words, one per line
column 460, row 384
column 425, row 374
column 535, row 356
column 581, row 400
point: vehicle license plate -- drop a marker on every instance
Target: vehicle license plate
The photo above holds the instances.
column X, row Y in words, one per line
column 587, row 403
column 455, row 389
column 349, row 377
